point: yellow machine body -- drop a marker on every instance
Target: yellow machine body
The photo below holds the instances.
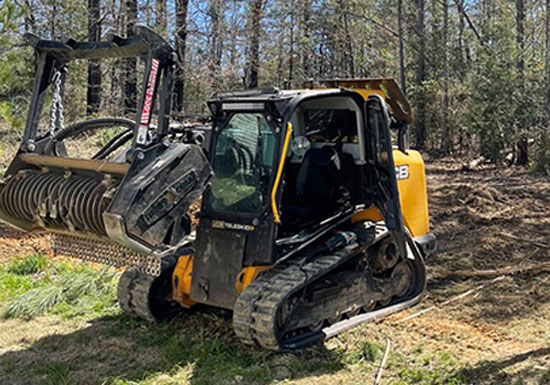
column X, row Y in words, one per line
column 247, row 275
column 409, row 166
column 411, row 182
column 181, row 281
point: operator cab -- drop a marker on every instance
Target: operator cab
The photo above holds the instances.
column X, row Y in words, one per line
column 288, row 167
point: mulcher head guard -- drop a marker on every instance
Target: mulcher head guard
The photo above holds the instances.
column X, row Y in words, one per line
column 128, row 210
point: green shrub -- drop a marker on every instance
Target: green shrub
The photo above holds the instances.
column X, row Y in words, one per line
column 541, row 155
column 367, row 351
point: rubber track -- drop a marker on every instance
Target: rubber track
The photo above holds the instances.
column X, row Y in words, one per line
column 255, row 314
column 133, row 294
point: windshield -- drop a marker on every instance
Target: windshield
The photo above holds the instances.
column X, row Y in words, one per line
column 243, row 163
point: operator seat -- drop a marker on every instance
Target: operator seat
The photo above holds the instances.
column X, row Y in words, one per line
column 318, row 190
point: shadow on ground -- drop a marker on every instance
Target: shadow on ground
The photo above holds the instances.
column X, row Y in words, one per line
column 197, row 348
column 494, row 372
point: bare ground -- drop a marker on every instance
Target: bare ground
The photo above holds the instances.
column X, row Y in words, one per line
column 490, row 218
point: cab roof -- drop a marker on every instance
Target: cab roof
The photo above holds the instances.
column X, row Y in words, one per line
column 387, row 88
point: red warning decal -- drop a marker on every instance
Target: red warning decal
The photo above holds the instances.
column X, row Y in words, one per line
column 148, row 102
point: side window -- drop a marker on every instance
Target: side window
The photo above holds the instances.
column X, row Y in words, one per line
column 330, row 126
column 378, row 128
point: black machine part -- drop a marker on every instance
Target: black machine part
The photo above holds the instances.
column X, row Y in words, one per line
column 300, row 303
column 148, row 297
column 55, row 144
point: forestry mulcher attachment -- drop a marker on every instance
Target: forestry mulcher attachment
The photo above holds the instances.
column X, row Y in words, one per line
column 310, row 222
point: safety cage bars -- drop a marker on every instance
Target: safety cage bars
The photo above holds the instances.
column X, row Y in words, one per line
column 53, row 57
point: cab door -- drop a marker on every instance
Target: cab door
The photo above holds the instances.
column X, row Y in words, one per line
column 381, row 168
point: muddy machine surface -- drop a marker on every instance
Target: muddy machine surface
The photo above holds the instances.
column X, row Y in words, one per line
column 310, row 222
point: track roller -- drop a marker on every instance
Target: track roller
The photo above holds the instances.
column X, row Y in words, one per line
column 147, row 297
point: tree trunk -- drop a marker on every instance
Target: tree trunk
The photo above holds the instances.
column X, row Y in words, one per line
column 460, row 39
column 291, row 49
column 344, row 48
column 115, row 72
column 233, row 34
column 53, row 13
column 447, row 139
column 130, row 65
column 522, row 157
column 160, row 16
column 93, row 95
column 30, row 20
column 547, row 61
column 420, row 129
column 254, row 42
column 401, row 48
column 306, row 44
column 281, row 57
column 181, row 41
column 349, row 43
column 214, row 62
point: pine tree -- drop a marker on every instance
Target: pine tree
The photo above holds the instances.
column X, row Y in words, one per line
column 181, row 41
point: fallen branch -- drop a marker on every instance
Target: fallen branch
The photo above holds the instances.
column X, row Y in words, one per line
column 453, row 299
column 382, row 363
column 473, row 164
column 498, row 214
column 539, row 244
column 508, row 270
column 528, row 257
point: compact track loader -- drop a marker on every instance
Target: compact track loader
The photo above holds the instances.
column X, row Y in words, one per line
column 310, row 221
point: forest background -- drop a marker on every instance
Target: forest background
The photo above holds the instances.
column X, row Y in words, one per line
column 477, row 72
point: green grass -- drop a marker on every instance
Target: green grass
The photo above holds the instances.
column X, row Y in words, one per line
column 20, row 275
column 442, row 368
column 365, row 351
column 30, row 287
column 545, row 378
column 32, row 264
column 12, row 285
column 55, row 373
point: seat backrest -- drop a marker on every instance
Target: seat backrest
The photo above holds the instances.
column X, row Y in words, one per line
column 316, row 178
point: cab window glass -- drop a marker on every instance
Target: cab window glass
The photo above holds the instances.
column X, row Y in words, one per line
column 330, row 126
column 243, row 165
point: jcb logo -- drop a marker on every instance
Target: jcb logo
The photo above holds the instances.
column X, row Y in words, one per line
column 402, row 172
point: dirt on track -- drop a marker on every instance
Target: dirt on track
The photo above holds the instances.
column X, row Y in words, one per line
column 486, row 219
